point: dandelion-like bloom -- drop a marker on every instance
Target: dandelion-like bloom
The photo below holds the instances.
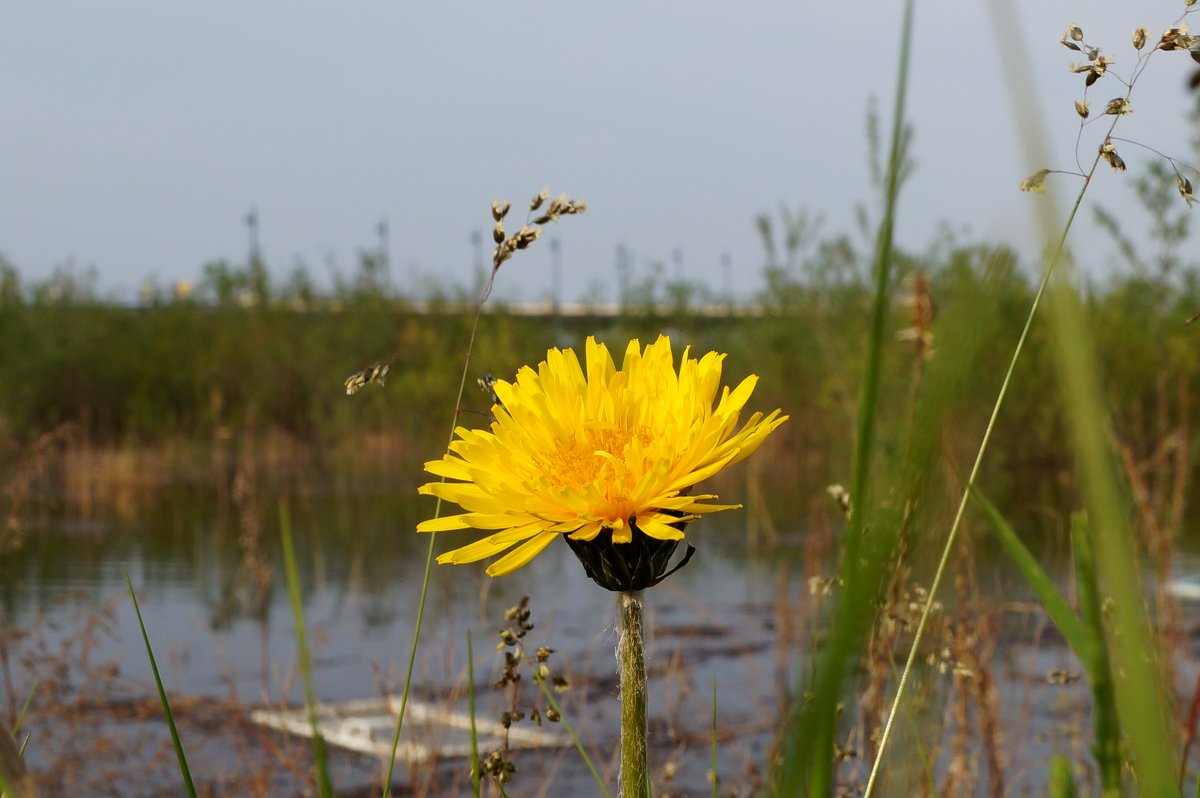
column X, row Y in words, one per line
column 595, row 455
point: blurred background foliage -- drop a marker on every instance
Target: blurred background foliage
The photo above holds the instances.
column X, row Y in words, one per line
column 240, row 354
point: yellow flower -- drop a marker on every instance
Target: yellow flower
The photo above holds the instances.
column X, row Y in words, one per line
column 578, row 453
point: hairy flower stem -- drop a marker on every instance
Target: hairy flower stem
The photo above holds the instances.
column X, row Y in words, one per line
column 633, row 780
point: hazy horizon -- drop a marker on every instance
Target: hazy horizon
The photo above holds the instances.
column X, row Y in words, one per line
column 138, row 136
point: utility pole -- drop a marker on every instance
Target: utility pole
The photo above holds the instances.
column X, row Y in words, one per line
column 251, row 222
column 256, row 269
column 556, row 275
column 727, row 280
column 624, row 264
column 385, row 252
column 477, row 242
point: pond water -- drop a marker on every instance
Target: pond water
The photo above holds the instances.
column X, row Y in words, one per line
column 738, row 616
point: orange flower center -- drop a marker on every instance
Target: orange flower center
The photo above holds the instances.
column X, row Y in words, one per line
column 595, row 456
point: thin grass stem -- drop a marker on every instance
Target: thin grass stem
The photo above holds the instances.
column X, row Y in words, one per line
column 320, row 758
column 1049, row 269
column 1140, row 697
column 944, row 559
column 437, row 512
column 476, row 781
column 562, row 718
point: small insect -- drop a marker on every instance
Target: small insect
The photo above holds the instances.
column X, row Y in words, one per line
column 376, row 373
column 487, row 384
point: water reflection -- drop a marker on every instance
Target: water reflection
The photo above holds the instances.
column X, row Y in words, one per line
column 734, row 615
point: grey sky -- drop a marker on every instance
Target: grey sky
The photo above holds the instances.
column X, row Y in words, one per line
column 135, row 135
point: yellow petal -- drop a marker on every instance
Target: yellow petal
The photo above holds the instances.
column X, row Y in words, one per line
column 521, row 555
column 587, row 531
column 493, row 544
column 445, row 523
column 659, row 530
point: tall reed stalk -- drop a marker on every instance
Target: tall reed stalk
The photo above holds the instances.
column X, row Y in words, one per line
column 1144, row 719
column 808, row 756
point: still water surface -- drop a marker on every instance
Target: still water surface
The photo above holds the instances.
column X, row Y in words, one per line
column 733, row 615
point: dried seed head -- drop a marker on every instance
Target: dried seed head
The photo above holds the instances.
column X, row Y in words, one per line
column 1139, row 38
column 1035, row 182
column 1095, row 68
column 1177, row 38
column 1185, row 189
column 1059, row 676
column 1071, row 35
column 541, row 197
column 841, row 496
column 376, row 373
column 1118, row 106
column 1109, row 154
column 498, row 232
column 1081, row 108
column 499, row 210
column 823, row 585
column 527, row 236
column 843, row 754
column 562, row 205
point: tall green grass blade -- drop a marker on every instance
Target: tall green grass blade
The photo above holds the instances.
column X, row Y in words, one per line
column 1076, row 632
column 1139, row 694
column 808, row 757
column 15, row 781
column 1085, row 637
column 25, row 706
column 162, row 695
column 320, row 757
column 476, row 781
column 587, row 760
column 1062, row 780
column 1107, row 747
